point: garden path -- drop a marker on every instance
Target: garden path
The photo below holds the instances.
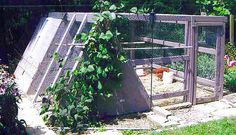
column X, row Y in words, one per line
column 207, row 112
column 35, row 124
column 188, row 116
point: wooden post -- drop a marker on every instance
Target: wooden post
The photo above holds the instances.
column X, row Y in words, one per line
column 193, row 63
column 231, row 29
column 195, row 53
column 219, row 74
column 186, row 63
column 132, row 27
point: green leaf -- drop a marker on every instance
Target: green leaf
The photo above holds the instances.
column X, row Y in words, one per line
column 76, row 72
column 121, row 58
column 88, row 100
column 99, row 85
column 134, row 10
column 113, row 7
column 109, row 95
column 85, row 108
column 67, row 74
column 90, row 68
column 56, row 56
column 104, row 74
column 119, row 75
column 82, row 36
column 109, row 35
column 112, row 16
column 99, row 70
column 43, row 110
column 63, row 112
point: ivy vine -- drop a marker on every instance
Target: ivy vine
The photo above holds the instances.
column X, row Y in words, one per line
column 73, row 105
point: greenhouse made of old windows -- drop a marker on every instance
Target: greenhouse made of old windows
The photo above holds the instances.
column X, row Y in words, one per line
column 172, row 59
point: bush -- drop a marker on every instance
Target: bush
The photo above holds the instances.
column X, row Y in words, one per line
column 230, row 73
column 230, row 79
column 9, row 97
column 206, row 66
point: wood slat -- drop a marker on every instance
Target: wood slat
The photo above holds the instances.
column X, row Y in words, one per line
column 178, row 106
column 161, row 60
column 207, row 50
column 209, row 24
column 170, row 95
column 157, row 48
column 161, row 42
column 159, row 17
column 205, row 100
column 132, row 43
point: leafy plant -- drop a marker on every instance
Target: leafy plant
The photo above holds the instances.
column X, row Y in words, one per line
column 214, row 7
column 230, row 50
column 74, row 104
column 206, row 66
column 9, row 97
column 230, row 79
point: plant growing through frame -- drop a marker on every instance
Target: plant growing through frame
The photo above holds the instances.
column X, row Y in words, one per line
column 74, row 105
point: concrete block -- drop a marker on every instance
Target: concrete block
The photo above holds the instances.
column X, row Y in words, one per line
column 162, row 112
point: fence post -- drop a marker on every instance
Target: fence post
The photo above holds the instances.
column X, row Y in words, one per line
column 220, row 43
column 231, row 29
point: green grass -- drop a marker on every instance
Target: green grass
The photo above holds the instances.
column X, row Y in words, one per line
column 219, row 127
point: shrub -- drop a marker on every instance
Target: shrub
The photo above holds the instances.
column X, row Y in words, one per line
column 230, row 50
column 230, row 78
column 206, row 66
column 230, row 73
column 9, row 97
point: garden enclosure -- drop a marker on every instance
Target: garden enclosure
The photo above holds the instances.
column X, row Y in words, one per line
column 192, row 47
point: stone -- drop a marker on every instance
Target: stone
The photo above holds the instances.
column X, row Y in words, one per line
column 157, row 119
column 230, row 112
column 162, row 112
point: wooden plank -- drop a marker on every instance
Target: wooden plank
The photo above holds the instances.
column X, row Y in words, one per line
column 132, row 43
column 174, row 44
column 161, row 60
column 218, row 62
column 38, row 91
column 175, row 22
column 178, row 106
column 170, row 95
column 222, row 68
column 231, row 29
column 205, row 100
column 186, row 63
column 191, row 64
column 82, row 44
column 207, row 50
column 220, row 43
column 133, row 38
column 212, row 19
column 161, row 42
column 195, row 53
column 157, row 48
column 209, row 23
column 159, row 17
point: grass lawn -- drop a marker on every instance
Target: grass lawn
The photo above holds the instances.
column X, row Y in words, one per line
column 219, row 127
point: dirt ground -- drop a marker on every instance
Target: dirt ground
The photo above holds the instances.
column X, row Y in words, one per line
column 160, row 88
